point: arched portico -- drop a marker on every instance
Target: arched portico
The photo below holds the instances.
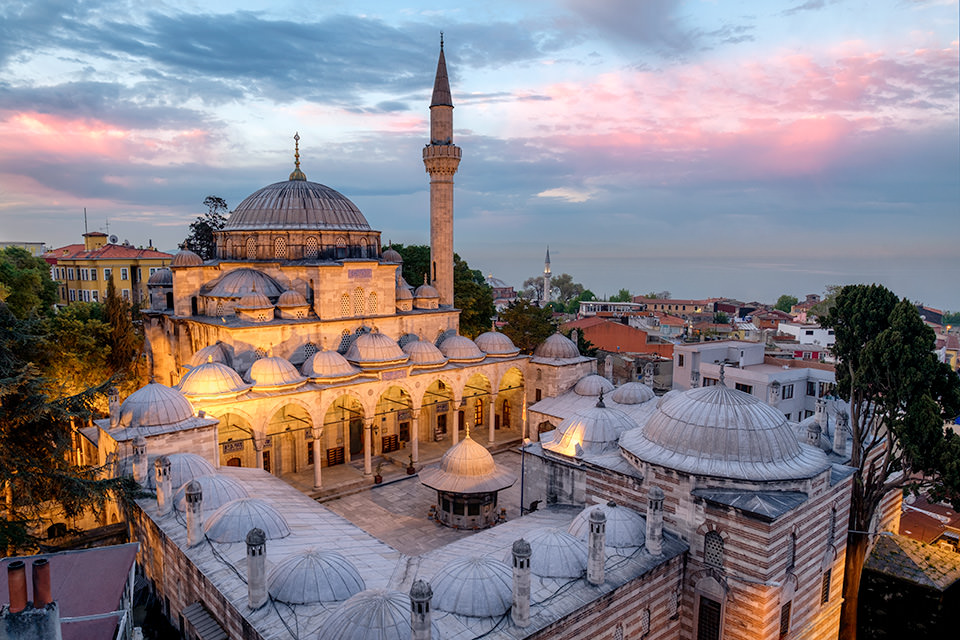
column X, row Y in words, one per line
column 392, row 420
column 343, row 431
column 288, row 434
column 235, row 440
column 437, row 417
column 475, row 408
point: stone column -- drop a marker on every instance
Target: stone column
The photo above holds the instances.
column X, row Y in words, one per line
column 140, row 468
column 194, row 508
column 317, row 453
column 164, row 486
column 259, row 442
column 256, row 568
column 456, row 421
column 523, row 416
column 415, row 434
column 491, row 418
column 520, row 611
column 367, row 446
column 596, row 550
column 420, row 595
column 654, row 538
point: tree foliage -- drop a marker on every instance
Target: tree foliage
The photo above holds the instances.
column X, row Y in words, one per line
column 565, row 288
column 25, row 283
column 36, row 436
column 527, row 325
column 900, row 396
column 623, row 295
column 584, row 346
column 125, row 342
column 951, row 317
column 721, row 317
column 658, row 295
column 785, row 303
column 474, row 297
column 416, row 262
column 201, row 240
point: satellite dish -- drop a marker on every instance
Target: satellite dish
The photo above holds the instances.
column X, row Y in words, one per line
column 114, row 239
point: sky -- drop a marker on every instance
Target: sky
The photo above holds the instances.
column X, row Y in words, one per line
column 703, row 147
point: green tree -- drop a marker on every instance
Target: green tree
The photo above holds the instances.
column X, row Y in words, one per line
column 623, row 295
column 584, row 346
column 785, row 302
column 951, row 317
column 721, row 318
column 823, row 307
column 574, row 305
column 201, row 240
column 527, row 324
column 565, row 288
column 37, row 467
column 474, row 297
column 25, row 283
column 532, row 288
column 900, row 397
column 124, row 340
column 416, row 262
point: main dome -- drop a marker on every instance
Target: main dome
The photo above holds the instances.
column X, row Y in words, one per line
column 296, row 204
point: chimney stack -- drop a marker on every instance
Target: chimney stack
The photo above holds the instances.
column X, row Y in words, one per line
column 38, row 622
column 140, row 468
column 840, row 433
column 420, row 625
column 17, row 583
column 42, row 595
column 596, row 552
column 813, row 434
column 194, row 507
column 256, row 568
column 654, row 538
column 113, row 404
column 164, row 486
column 520, row 612
column 608, row 367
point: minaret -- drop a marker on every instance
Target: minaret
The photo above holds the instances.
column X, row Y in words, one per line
column 441, row 158
column 546, row 280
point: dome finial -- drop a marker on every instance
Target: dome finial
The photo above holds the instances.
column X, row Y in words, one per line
column 441, row 41
column 600, row 404
column 297, row 174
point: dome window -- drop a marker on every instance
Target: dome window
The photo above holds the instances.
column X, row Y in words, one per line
column 309, row 349
column 312, row 250
column 713, row 549
column 280, row 248
column 345, row 339
column 260, row 353
column 363, row 247
column 219, row 308
column 345, row 305
column 251, row 248
column 358, row 301
column 373, row 305
column 341, row 247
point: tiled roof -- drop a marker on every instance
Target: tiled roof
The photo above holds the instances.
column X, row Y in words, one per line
column 106, row 252
column 923, row 564
column 764, row 505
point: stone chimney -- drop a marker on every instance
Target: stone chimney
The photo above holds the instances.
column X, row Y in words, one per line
column 574, row 337
column 42, row 595
column 813, row 434
column 420, row 595
column 41, row 621
column 164, row 485
column 597, row 543
column 520, row 612
column 113, row 404
column 17, row 583
column 256, row 568
column 840, row 433
column 774, row 393
column 654, row 539
column 608, row 367
column 820, row 414
column 140, row 467
column 194, row 506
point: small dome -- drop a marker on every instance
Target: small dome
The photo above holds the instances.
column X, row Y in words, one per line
column 254, row 300
column 217, row 491
column 328, row 364
column 186, row 258
column 374, row 614
column 240, row 281
column 717, row 431
column 392, row 255
column 185, row 467
column 154, row 405
column 494, row 343
column 557, row 554
column 212, row 379
column 311, row 576
column 592, row 385
column 426, row 291
column 291, row 298
column 557, row 347
column 215, row 352
column 461, row 349
column 375, row 348
column 161, row 278
column 274, row 373
column 595, row 431
column 232, row 521
column 424, row 354
column 296, row 205
column 632, row 393
column 625, row 527
column 480, row 587
column 669, row 394
column 404, row 293
column 467, row 467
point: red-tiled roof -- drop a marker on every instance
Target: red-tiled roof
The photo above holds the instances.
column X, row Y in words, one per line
column 106, row 252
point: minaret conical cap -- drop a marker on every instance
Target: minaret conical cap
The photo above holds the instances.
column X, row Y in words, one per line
column 441, row 85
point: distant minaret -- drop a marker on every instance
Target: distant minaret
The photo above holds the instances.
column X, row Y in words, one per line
column 546, row 280
column 441, row 158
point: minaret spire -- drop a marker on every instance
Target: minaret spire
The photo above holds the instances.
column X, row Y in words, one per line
column 441, row 158
column 297, row 174
column 546, row 280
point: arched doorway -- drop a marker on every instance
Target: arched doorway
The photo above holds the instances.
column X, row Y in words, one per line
column 235, row 440
column 476, row 409
column 508, row 414
column 343, row 431
column 435, row 420
column 287, row 439
column 392, row 420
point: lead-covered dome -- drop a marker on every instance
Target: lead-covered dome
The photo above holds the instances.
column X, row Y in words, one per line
column 296, row 204
column 212, row 379
column 625, row 527
column 632, row 393
column 424, row 354
column 274, row 373
column 592, row 385
column 458, row 348
column 557, row 347
column 162, row 277
column 593, row 431
column 217, row 352
column 240, row 281
column 467, row 467
column 480, row 587
column 232, row 521
column 217, row 490
column 722, row 432
column 557, row 554
column 496, row 344
column 328, row 364
column 374, row 349
column 186, row 258
column 311, row 576
column 154, row 405
column 185, row 467
column 374, row 614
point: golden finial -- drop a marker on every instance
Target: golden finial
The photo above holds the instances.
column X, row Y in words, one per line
column 297, row 174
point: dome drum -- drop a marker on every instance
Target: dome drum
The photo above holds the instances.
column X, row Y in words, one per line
column 470, row 511
column 308, row 244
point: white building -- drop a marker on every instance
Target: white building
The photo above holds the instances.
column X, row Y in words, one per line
column 812, row 334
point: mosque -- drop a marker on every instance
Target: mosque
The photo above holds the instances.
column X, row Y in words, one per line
column 701, row 514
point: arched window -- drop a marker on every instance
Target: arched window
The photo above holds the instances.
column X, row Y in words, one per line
column 713, row 549
column 373, row 306
column 341, row 247
column 792, row 552
column 251, row 248
column 505, row 413
column 312, row 249
column 280, row 248
column 309, row 349
column 345, row 339
column 832, row 532
column 345, row 305
column 363, row 247
column 478, row 413
column 358, row 302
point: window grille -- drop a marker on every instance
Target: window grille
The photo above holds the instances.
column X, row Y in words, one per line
column 825, row 588
column 345, row 305
column 373, row 305
column 784, row 620
column 645, row 622
column 833, row 525
column 708, row 620
column 280, row 248
column 219, row 311
column 618, row 632
column 251, row 249
column 713, row 549
column 260, row 353
column 313, row 249
column 345, row 339
column 358, row 301
column 341, row 247
column 309, row 349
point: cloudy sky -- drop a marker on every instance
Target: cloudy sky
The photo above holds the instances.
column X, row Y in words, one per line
column 706, row 147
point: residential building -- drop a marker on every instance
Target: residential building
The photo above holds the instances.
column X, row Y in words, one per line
column 34, row 248
column 616, row 337
column 808, row 334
